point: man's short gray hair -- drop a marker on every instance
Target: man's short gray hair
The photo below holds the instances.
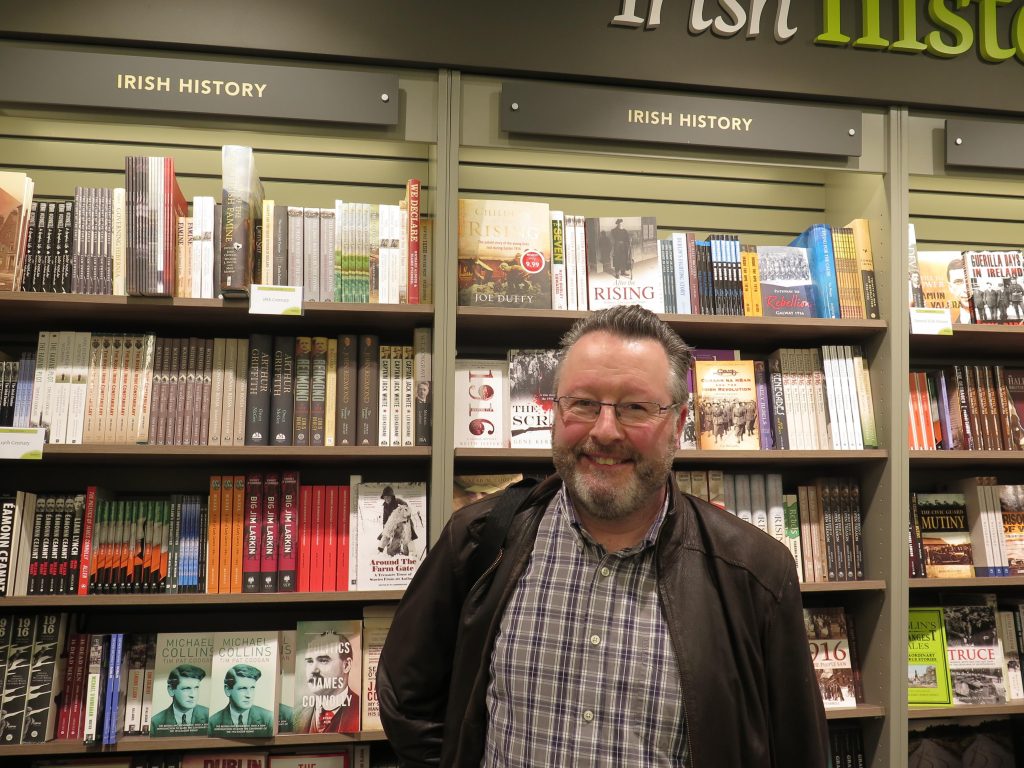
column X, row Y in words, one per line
column 634, row 322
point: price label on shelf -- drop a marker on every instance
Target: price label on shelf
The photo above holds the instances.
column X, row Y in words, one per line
column 19, row 443
column 275, row 300
column 931, row 321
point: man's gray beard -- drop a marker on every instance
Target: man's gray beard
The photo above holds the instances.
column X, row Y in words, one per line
column 616, row 503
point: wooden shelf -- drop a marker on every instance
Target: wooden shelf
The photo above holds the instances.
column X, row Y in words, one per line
column 479, row 327
column 863, row 585
column 176, row 744
column 170, row 455
column 967, row 710
column 174, row 602
column 976, row 341
column 971, row 582
column 61, row 311
column 965, row 459
column 861, row 710
column 695, row 458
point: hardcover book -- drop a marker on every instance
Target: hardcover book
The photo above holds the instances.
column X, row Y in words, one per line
column 244, row 684
column 391, row 520
column 945, row 535
column 376, row 623
column 481, row 397
column 995, row 280
column 928, row 680
column 182, row 684
column 829, row 640
column 785, row 278
column 531, row 381
column 727, row 404
column 328, row 676
column 623, row 265
column 504, row 254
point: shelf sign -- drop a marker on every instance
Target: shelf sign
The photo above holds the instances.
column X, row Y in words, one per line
column 985, row 144
column 21, row 443
column 931, row 321
column 202, row 86
column 275, row 300
column 596, row 112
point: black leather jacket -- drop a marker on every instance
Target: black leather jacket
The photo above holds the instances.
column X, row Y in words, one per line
column 732, row 603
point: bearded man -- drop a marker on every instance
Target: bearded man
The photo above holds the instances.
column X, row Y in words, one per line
column 623, row 622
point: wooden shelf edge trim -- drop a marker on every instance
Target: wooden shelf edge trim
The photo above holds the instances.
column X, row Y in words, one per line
column 868, row 454
column 861, row 710
column 967, row 581
column 865, row 585
column 75, row 602
column 966, row 710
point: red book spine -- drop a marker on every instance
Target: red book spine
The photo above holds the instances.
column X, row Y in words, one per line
column 253, row 533
column 269, row 539
column 316, row 543
column 305, row 515
column 330, row 574
column 64, row 717
column 287, row 555
column 412, row 189
column 344, row 521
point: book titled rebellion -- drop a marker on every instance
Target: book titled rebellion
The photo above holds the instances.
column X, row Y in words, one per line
column 244, row 684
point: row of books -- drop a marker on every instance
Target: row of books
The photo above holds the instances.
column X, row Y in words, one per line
column 820, row 523
column 252, row 533
column 977, row 530
column 992, row 743
column 140, row 239
column 846, row 744
column 265, row 390
column 809, row 399
column 966, row 650
column 524, row 254
column 973, row 286
column 96, row 688
column 966, row 407
column 338, row 756
column 832, row 641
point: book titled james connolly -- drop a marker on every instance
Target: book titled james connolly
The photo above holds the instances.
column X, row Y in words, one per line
column 244, row 684
column 328, row 676
column 996, row 283
column 531, row 381
column 623, row 265
column 727, row 404
column 504, row 254
column 181, row 684
column 391, row 521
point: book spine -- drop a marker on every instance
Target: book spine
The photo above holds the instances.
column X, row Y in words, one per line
column 331, row 393
column 412, row 189
column 318, row 391
column 269, row 578
column 303, row 367
column 346, row 405
column 778, row 402
column 368, row 389
column 251, row 553
column 16, row 681
column 282, row 399
column 287, row 561
column 257, row 402
column 45, row 678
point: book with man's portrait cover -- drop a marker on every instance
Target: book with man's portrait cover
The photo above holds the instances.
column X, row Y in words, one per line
column 244, row 684
column 328, row 676
column 181, row 684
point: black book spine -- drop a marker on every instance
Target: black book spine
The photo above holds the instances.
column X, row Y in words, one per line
column 303, row 363
column 36, row 551
column 58, row 247
column 69, row 218
column 280, row 245
column 257, row 400
column 204, row 542
column 75, row 546
column 50, row 253
column 368, row 389
column 19, row 657
column 345, row 402
column 318, row 391
column 7, row 509
column 59, row 570
column 28, row 267
column 282, row 398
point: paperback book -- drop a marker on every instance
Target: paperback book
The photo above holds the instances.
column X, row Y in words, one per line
column 244, row 684
column 786, row 289
column 481, row 403
column 623, row 263
column 328, row 679
column 829, row 640
column 727, row 405
column 181, row 684
column 531, row 380
column 391, row 533
column 972, row 648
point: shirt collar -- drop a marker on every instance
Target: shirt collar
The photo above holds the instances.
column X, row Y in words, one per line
column 564, row 506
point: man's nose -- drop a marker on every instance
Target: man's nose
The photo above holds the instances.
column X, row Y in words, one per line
column 607, row 424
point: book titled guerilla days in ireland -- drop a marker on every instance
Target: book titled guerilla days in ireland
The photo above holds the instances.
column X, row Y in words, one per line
column 504, row 254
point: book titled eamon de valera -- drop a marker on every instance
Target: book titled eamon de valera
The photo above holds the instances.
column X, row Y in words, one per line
column 504, row 254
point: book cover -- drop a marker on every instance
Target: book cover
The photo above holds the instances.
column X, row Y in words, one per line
column 1012, row 385
column 423, row 385
column 15, row 204
column 972, row 649
column 504, row 254
column 286, row 683
column 727, row 403
column 15, row 691
column 623, row 264
column 945, row 535
column 182, row 684
column 785, row 278
column 481, row 394
column 995, row 280
column 928, row 681
column 391, row 533
column 531, row 381
column 241, row 209
column 828, row 638
column 328, row 676
column 939, row 282
column 376, row 623
column 244, row 684
column 817, row 239
column 45, row 676
column 1011, row 504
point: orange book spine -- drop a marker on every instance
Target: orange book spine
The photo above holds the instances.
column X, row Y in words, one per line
column 213, row 537
column 237, row 531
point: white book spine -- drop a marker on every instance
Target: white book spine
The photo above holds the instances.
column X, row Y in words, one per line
column 759, row 502
column 117, row 240
column 818, row 391
column 569, row 238
column 558, row 282
column 990, row 495
column 582, row 294
column 62, row 387
column 327, row 237
column 1008, row 642
column 79, row 388
column 835, row 430
column 743, row 501
column 681, row 273
column 850, row 387
column 408, row 405
column 144, row 395
column 267, row 244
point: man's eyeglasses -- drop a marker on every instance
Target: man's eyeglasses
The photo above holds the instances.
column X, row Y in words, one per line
column 635, row 413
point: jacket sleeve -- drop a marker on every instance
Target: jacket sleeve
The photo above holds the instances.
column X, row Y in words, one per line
column 799, row 729
column 416, row 664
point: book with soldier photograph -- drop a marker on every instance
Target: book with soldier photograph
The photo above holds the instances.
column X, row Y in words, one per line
column 328, row 676
column 531, row 381
column 828, row 638
column 726, row 401
column 181, row 684
column 391, row 522
column 504, row 254
column 785, row 278
column 945, row 534
column 995, row 280
column 623, row 262
column 973, row 650
column 244, row 684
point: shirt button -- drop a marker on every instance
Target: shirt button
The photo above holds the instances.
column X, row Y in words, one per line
column 595, row 640
column 588, row 715
column 606, row 571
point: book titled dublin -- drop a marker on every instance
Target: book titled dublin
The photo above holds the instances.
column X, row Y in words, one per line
column 505, row 254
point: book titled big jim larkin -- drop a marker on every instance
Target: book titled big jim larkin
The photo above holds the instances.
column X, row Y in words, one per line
column 189, row 657
column 623, row 265
column 504, row 254
column 253, row 532
column 244, row 684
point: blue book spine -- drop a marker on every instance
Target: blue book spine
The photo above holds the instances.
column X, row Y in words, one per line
column 668, row 280
column 111, row 695
column 817, row 239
